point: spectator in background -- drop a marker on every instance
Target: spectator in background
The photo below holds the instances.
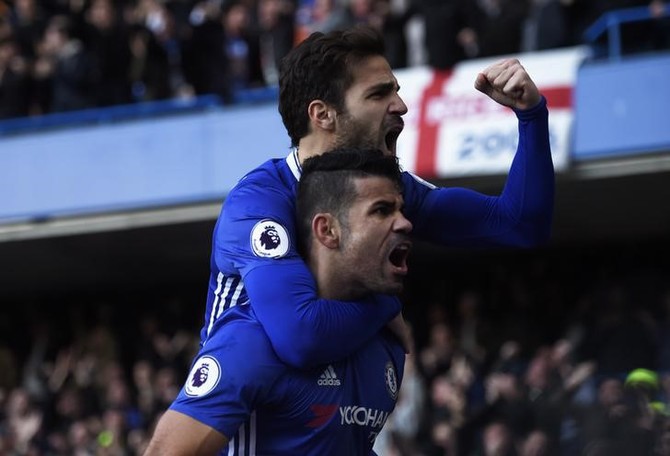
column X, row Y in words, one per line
column 444, row 20
column 609, row 423
column 494, row 27
column 113, row 432
column 143, row 373
column 107, row 39
column 396, row 15
column 310, row 15
column 509, row 403
column 537, row 443
column 180, row 12
column 204, row 57
column 448, row 400
column 435, row 359
column 580, row 15
column 24, row 420
column 497, row 440
column 28, row 21
column 443, row 439
column 355, row 12
column 472, row 328
column 624, row 338
column 544, row 393
column 223, row 54
column 241, row 48
column 275, row 34
column 65, row 70
column 167, row 384
column 80, row 439
column 546, row 26
column 158, row 19
column 15, row 80
column 149, row 68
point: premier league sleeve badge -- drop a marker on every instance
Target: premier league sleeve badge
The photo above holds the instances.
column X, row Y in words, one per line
column 270, row 239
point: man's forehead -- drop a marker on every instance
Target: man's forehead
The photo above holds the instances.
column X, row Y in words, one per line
column 372, row 187
column 372, row 71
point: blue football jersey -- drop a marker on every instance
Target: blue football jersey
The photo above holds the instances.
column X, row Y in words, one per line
column 254, row 257
column 238, row 386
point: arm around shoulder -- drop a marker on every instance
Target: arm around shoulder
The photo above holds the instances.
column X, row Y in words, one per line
column 305, row 330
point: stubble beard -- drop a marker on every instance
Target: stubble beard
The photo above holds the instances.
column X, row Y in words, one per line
column 354, row 134
column 370, row 278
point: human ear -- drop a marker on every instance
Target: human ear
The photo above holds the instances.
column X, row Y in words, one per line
column 326, row 230
column 321, row 115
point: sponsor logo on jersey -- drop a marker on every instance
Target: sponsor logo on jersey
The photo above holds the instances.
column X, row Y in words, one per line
column 269, row 239
column 391, row 380
column 329, row 377
column 203, row 378
column 362, row 416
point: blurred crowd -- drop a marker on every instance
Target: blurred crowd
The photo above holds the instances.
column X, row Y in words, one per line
column 90, row 379
column 555, row 357
column 62, row 55
column 539, row 356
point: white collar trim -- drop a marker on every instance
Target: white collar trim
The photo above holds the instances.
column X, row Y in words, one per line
column 294, row 163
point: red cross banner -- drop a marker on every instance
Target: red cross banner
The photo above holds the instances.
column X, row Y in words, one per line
column 453, row 130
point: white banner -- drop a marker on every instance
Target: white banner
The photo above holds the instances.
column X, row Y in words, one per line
column 451, row 129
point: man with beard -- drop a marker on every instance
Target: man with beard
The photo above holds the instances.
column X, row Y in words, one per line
column 355, row 240
column 336, row 90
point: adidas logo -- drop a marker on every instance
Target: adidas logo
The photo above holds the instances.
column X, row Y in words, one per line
column 329, row 377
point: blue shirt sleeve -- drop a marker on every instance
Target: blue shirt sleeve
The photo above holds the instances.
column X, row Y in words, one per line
column 312, row 331
column 223, row 388
column 304, row 330
column 520, row 217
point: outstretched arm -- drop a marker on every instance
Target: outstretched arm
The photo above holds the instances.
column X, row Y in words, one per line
column 521, row 216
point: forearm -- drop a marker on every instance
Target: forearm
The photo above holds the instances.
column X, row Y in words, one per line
column 304, row 330
column 528, row 195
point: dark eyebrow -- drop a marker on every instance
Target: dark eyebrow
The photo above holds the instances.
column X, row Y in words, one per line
column 384, row 87
column 387, row 204
column 384, row 202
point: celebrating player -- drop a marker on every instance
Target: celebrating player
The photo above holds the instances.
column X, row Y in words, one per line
column 355, row 240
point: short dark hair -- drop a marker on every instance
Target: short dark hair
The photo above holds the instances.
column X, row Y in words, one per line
column 319, row 68
column 327, row 184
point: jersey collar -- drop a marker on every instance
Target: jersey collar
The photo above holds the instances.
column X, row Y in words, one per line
column 294, row 163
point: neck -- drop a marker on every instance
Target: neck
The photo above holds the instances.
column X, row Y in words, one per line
column 313, row 145
column 332, row 282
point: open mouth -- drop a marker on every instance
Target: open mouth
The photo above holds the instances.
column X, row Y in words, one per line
column 399, row 255
column 391, row 138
